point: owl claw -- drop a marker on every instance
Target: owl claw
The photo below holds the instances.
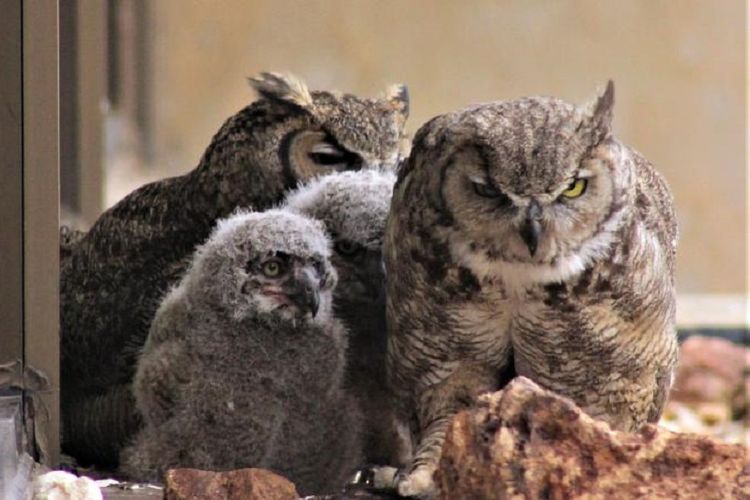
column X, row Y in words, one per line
column 418, row 483
column 375, row 477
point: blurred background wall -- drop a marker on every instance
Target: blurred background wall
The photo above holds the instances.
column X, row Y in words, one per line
column 679, row 69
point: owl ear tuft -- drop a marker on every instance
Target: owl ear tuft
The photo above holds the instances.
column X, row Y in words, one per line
column 600, row 120
column 397, row 96
column 282, row 87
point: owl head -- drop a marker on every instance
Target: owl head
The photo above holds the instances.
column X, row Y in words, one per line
column 291, row 134
column 529, row 189
column 256, row 264
column 354, row 207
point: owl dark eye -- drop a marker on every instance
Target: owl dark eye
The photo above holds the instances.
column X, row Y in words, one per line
column 326, row 154
column 347, row 248
column 489, row 191
column 327, row 159
column 486, row 190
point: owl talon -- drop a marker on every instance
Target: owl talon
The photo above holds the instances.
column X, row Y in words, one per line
column 418, row 483
column 363, row 477
column 376, row 478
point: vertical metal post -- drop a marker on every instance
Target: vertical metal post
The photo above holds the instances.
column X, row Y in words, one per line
column 91, row 45
column 130, row 69
column 11, row 186
column 11, row 242
column 83, row 47
column 40, row 168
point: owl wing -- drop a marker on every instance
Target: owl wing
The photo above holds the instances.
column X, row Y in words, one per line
column 663, row 385
column 655, row 205
column 163, row 373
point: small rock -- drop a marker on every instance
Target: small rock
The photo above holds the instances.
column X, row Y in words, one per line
column 61, row 485
column 241, row 484
column 713, row 370
column 525, row 442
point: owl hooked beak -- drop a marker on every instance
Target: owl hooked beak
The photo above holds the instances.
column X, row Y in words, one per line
column 531, row 230
column 302, row 291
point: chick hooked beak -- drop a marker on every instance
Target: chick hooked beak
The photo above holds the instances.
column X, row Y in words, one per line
column 303, row 292
column 531, row 230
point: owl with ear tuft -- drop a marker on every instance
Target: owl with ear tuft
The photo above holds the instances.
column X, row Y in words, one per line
column 525, row 238
column 113, row 278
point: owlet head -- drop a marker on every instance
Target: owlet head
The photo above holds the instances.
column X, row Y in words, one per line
column 342, row 131
column 533, row 187
column 266, row 263
column 353, row 206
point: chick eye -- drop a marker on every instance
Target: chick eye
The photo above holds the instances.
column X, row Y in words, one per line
column 346, row 247
column 272, row 269
column 576, row 188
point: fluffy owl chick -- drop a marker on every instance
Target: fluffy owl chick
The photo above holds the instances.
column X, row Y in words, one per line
column 354, row 207
column 114, row 277
column 244, row 362
column 524, row 236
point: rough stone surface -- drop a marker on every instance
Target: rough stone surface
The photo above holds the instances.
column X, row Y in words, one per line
column 525, row 442
column 358, row 495
column 713, row 370
column 242, row 484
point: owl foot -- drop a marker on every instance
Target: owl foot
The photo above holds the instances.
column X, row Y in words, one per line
column 418, row 483
column 375, row 477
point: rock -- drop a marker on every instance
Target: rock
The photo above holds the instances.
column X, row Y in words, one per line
column 61, row 485
column 710, row 393
column 358, row 495
column 525, row 442
column 713, row 370
column 241, row 484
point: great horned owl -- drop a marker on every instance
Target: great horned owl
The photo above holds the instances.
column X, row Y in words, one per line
column 354, row 207
column 69, row 238
column 524, row 236
column 114, row 277
column 244, row 362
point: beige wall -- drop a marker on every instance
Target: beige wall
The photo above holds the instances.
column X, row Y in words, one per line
column 679, row 68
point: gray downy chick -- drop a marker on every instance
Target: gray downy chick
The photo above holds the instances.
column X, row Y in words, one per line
column 354, row 207
column 244, row 362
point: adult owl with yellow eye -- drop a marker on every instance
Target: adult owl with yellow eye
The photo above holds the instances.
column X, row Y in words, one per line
column 525, row 239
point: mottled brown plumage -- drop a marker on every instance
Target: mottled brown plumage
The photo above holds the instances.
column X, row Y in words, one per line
column 115, row 276
column 524, row 238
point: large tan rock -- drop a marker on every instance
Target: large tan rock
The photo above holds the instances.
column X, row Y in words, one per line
column 242, row 484
column 525, row 442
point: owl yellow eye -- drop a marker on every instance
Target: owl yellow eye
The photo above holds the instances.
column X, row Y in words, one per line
column 576, row 188
column 272, row 269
